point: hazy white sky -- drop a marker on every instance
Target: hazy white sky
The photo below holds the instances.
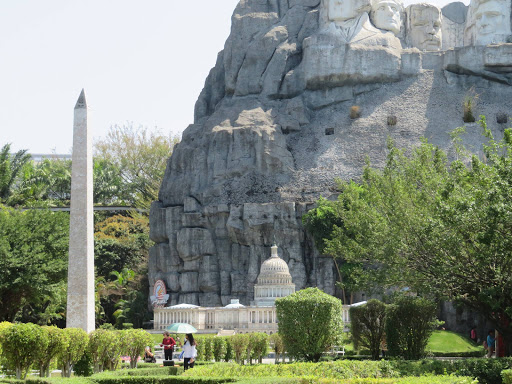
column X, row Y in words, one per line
column 140, row 61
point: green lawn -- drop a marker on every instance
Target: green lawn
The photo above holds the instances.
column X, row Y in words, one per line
column 440, row 341
column 446, row 342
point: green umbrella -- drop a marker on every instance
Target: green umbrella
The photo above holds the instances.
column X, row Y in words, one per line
column 181, row 328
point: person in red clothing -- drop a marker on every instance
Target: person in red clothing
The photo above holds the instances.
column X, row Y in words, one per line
column 168, row 343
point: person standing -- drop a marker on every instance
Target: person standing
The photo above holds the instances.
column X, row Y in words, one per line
column 491, row 343
column 472, row 334
column 168, row 343
column 189, row 352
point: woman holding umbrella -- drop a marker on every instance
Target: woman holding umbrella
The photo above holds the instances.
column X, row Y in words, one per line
column 189, row 352
column 168, row 343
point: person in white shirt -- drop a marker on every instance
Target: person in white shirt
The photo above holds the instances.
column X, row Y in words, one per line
column 189, row 351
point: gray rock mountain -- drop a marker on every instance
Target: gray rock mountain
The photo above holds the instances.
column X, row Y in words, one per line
column 273, row 131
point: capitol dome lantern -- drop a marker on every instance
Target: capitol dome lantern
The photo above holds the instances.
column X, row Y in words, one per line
column 274, row 281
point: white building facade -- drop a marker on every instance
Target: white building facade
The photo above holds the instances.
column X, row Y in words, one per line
column 274, row 281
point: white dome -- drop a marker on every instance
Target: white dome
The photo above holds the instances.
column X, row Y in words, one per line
column 274, row 270
column 274, row 281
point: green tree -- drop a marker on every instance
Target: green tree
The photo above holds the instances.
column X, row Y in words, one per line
column 56, row 343
column 259, row 346
column 409, row 325
column 134, row 341
column 368, row 324
column 101, row 343
column 437, row 227
column 33, row 261
column 141, row 157
column 22, row 345
column 11, row 166
column 239, row 344
column 75, row 345
column 277, row 344
column 219, row 348
column 310, row 322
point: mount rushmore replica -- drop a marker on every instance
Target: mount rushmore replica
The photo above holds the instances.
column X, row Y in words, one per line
column 273, row 127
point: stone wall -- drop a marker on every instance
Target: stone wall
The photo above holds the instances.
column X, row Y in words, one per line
column 272, row 132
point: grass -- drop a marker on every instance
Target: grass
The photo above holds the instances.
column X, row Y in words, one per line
column 446, row 342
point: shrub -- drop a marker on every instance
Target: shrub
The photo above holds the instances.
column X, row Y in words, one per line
column 410, row 322
column 229, row 350
column 355, row 112
column 207, row 348
column 74, row 346
column 310, row 322
column 219, row 348
column 22, row 345
column 239, row 344
column 259, row 346
column 163, row 380
column 84, row 366
column 507, row 376
column 276, row 341
column 468, row 105
column 368, row 325
column 392, row 120
column 56, row 342
column 134, row 341
column 156, row 371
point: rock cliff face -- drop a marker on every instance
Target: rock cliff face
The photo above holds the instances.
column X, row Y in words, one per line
column 272, row 131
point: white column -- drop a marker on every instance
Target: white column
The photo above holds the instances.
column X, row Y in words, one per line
column 81, row 298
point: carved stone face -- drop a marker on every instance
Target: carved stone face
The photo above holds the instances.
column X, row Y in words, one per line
column 425, row 27
column 386, row 15
column 341, row 10
column 491, row 19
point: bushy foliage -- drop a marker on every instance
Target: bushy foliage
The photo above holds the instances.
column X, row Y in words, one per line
column 409, row 324
column 22, row 345
column 507, row 376
column 239, row 343
column 310, row 322
column 219, row 348
column 84, row 366
column 75, row 344
column 368, row 324
column 33, row 261
column 134, row 341
column 56, row 342
column 277, row 345
column 259, row 342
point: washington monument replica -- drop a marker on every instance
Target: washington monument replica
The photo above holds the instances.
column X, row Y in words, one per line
column 80, row 310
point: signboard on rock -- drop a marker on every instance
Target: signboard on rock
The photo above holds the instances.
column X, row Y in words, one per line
column 160, row 296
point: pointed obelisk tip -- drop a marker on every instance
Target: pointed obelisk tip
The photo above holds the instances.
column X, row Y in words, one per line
column 81, row 103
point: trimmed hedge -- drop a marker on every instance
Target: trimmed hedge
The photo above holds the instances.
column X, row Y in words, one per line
column 157, row 371
column 340, row 369
column 487, row 371
column 124, row 379
column 507, row 376
column 261, row 380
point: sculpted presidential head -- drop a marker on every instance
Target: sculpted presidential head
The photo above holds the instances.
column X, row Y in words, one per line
column 424, row 27
column 491, row 20
column 387, row 15
column 342, row 10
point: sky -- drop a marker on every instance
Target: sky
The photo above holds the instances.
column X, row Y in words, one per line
column 141, row 62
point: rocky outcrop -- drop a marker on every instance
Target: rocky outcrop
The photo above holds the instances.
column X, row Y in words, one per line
column 273, row 131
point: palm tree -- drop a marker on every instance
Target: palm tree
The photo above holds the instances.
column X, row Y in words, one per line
column 10, row 170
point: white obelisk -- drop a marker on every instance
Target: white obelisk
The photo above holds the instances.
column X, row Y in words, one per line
column 80, row 311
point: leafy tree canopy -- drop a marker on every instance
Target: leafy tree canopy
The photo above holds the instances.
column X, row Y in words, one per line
column 438, row 227
column 310, row 322
column 33, row 261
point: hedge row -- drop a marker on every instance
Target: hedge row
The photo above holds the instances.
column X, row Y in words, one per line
column 263, row 380
column 507, row 376
column 487, row 371
column 127, row 380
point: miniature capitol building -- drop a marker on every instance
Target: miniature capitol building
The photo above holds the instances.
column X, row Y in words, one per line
column 274, row 281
